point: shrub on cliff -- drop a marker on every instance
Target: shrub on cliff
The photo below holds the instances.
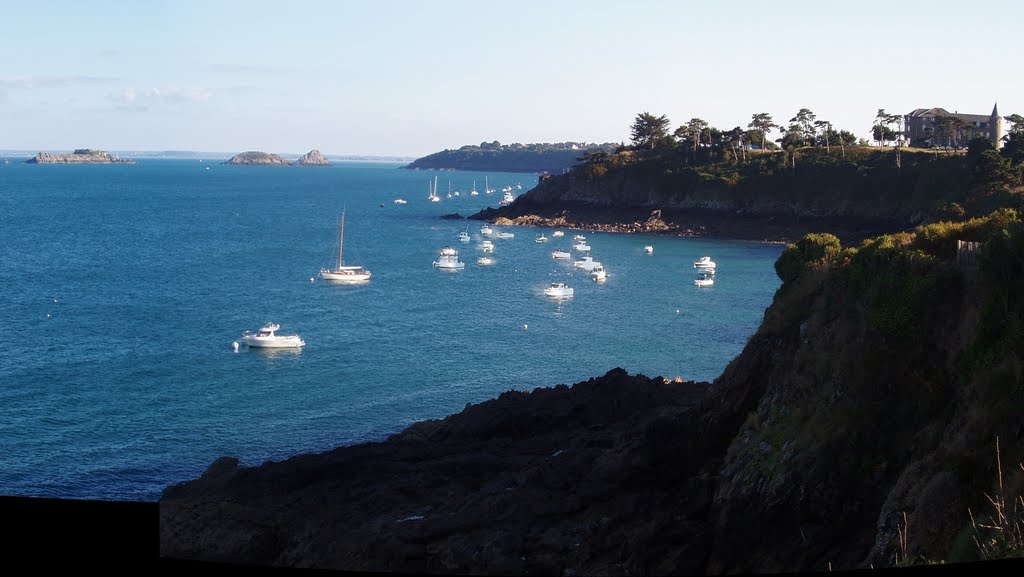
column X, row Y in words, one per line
column 811, row 250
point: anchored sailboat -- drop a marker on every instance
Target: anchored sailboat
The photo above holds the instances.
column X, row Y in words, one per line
column 343, row 273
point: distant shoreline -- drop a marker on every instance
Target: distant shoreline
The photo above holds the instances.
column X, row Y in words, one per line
column 198, row 155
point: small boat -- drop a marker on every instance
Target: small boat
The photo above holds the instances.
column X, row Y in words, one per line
column 487, row 246
column 704, row 279
column 507, row 189
column 558, row 290
column 558, row 234
column 587, row 263
column 474, row 192
column 649, row 249
column 487, row 188
column 704, row 262
column 342, row 273
column 561, row 255
column 540, row 238
column 449, row 260
column 505, row 235
column 579, row 237
column 485, row 260
column 463, row 236
column 267, row 338
column 581, row 246
column 400, row 201
column 486, row 230
column 519, row 186
column 432, row 195
column 598, row 274
column 506, row 199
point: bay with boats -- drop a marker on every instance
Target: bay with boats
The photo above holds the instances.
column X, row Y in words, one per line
column 126, row 286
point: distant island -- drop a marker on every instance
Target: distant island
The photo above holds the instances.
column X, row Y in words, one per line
column 544, row 157
column 79, row 156
column 255, row 157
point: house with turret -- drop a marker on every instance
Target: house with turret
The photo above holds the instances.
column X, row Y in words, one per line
column 938, row 127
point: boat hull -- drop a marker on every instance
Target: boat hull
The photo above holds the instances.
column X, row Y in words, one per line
column 336, row 276
column 275, row 342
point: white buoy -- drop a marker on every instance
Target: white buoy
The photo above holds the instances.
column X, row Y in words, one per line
column 234, row 345
column 47, row 316
column 310, row 279
column 677, row 311
column 525, row 326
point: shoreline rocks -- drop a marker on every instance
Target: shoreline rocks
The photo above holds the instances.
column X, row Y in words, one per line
column 312, row 158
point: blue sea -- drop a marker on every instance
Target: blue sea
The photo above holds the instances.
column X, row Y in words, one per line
column 123, row 287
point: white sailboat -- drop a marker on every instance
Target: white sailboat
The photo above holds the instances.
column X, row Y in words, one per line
column 473, row 192
column 433, row 191
column 342, row 273
column 487, row 189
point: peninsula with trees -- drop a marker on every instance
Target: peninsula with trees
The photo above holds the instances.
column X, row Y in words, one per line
column 79, row 156
column 494, row 156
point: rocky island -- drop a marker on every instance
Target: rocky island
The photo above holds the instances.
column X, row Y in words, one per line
column 312, row 158
column 79, row 156
column 258, row 158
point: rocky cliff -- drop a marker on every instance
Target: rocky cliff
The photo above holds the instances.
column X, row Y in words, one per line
column 857, row 428
column 80, row 156
column 256, row 158
column 312, row 158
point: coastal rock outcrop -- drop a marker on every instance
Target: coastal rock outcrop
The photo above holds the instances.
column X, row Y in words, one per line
column 79, row 156
column 254, row 157
column 312, row 158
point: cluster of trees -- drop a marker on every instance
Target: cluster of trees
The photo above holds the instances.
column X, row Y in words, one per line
column 804, row 129
column 538, row 147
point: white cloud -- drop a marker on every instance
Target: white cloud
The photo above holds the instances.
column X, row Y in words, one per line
column 141, row 99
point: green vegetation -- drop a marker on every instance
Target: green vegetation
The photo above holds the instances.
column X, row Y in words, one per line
column 545, row 157
column 90, row 152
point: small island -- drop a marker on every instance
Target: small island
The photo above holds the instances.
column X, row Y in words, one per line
column 79, row 156
column 255, row 157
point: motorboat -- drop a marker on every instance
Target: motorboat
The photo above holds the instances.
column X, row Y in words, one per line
column 485, row 260
column 449, row 260
column 463, row 236
column 649, row 249
column 587, row 263
column 540, row 238
column 342, row 273
column 558, row 234
column 268, row 338
column 519, row 186
column 486, row 230
column 704, row 262
column 581, row 246
column 505, row 235
column 704, row 279
column 561, row 255
column 506, row 199
column 401, row 201
column 487, row 246
column 558, row 290
column 599, row 274
column 507, row 189
column 579, row 237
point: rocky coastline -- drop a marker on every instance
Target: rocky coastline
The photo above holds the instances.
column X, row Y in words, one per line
column 312, row 158
column 80, row 156
column 259, row 158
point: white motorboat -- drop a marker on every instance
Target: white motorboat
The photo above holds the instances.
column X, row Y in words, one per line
column 507, row 199
column 267, row 338
column 599, row 274
column 558, row 290
column 507, row 189
column 449, row 260
column 581, row 246
column 558, row 234
column 505, row 235
column 401, row 201
column 464, row 236
column 704, row 279
column 561, row 255
column 649, row 249
column 704, row 262
column 587, row 263
column 519, row 186
column 486, row 230
column 342, row 273
column 485, row 260
column 579, row 237
column 540, row 238
column 487, row 246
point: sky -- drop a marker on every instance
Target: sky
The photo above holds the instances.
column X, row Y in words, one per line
column 408, row 78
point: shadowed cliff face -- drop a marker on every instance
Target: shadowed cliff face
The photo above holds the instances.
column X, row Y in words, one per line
column 874, row 388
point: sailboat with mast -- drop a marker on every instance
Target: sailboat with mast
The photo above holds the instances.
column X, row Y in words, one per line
column 342, row 273
column 433, row 191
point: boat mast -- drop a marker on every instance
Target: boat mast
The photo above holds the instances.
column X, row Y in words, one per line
column 341, row 239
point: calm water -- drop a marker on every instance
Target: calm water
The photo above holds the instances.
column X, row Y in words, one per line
column 123, row 288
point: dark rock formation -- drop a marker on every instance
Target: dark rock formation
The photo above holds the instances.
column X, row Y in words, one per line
column 312, row 158
column 452, row 216
column 80, row 156
column 256, row 158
